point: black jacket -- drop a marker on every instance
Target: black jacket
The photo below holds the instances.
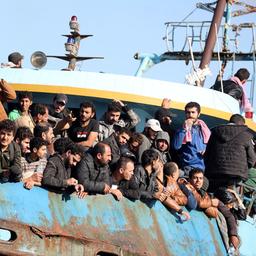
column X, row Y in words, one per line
column 56, row 173
column 229, row 152
column 115, row 149
column 11, row 160
column 91, row 175
column 144, row 184
column 230, row 88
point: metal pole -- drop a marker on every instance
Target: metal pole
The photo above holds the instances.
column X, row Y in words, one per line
column 211, row 39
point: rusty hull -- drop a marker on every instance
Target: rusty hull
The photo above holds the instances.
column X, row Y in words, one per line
column 45, row 223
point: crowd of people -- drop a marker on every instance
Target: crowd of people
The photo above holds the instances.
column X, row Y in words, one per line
column 192, row 167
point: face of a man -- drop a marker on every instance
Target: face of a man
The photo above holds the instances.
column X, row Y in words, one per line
column 104, row 158
column 151, row 133
column 113, row 117
column 25, row 103
column 24, row 146
column 41, row 152
column 162, row 145
column 49, row 135
column 128, row 171
column 73, row 159
column 156, row 164
column 43, row 118
column 58, row 106
column 134, row 146
column 123, row 138
column 6, row 138
column 86, row 114
column 192, row 113
column 197, row 180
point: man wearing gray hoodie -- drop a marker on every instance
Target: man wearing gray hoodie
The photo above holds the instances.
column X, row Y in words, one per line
column 162, row 146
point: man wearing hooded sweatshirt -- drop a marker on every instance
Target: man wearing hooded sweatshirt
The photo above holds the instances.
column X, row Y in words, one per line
column 162, row 145
column 229, row 153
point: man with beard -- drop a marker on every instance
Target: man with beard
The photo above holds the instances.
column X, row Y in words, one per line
column 116, row 141
column 93, row 170
column 60, row 115
column 113, row 119
column 22, row 138
column 190, row 140
column 57, row 173
column 85, row 130
column 45, row 131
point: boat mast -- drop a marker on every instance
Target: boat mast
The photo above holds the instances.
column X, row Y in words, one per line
column 72, row 46
column 211, row 39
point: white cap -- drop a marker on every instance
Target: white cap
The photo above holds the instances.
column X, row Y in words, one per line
column 154, row 125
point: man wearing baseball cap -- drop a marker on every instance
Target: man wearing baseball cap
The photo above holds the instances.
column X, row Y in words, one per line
column 152, row 127
column 59, row 112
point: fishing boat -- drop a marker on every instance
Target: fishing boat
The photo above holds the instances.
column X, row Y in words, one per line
column 39, row 222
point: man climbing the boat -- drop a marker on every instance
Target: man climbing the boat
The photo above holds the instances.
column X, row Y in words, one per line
column 235, row 87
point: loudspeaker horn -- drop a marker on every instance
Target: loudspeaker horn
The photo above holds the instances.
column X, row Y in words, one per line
column 38, row 59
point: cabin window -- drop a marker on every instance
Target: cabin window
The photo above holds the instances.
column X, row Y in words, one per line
column 7, row 235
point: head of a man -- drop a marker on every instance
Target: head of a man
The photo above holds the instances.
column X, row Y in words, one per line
column 73, row 154
column 237, row 119
column 61, row 144
column 40, row 113
column 227, row 196
column 124, row 168
column 44, row 131
column 162, row 141
column 7, row 133
column 192, row 111
column 102, row 153
column 123, row 136
column 113, row 113
column 25, row 100
column 171, row 170
column 87, row 111
column 196, row 178
column 164, row 116
column 16, row 58
column 150, row 160
column 135, row 142
column 152, row 127
column 59, row 102
column 243, row 74
column 23, row 137
column 38, row 148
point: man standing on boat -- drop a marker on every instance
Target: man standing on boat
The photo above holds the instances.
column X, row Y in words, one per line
column 112, row 119
column 85, row 130
column 93, row 170
column 190, row 140
column 230, row 153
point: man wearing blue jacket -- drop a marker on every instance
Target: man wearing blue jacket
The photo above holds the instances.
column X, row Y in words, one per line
column 190, row 140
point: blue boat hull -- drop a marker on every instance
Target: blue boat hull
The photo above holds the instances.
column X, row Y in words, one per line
column 45, row 223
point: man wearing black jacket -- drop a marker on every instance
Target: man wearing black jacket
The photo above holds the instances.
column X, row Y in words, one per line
column 93, row 170
column 229, row 153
